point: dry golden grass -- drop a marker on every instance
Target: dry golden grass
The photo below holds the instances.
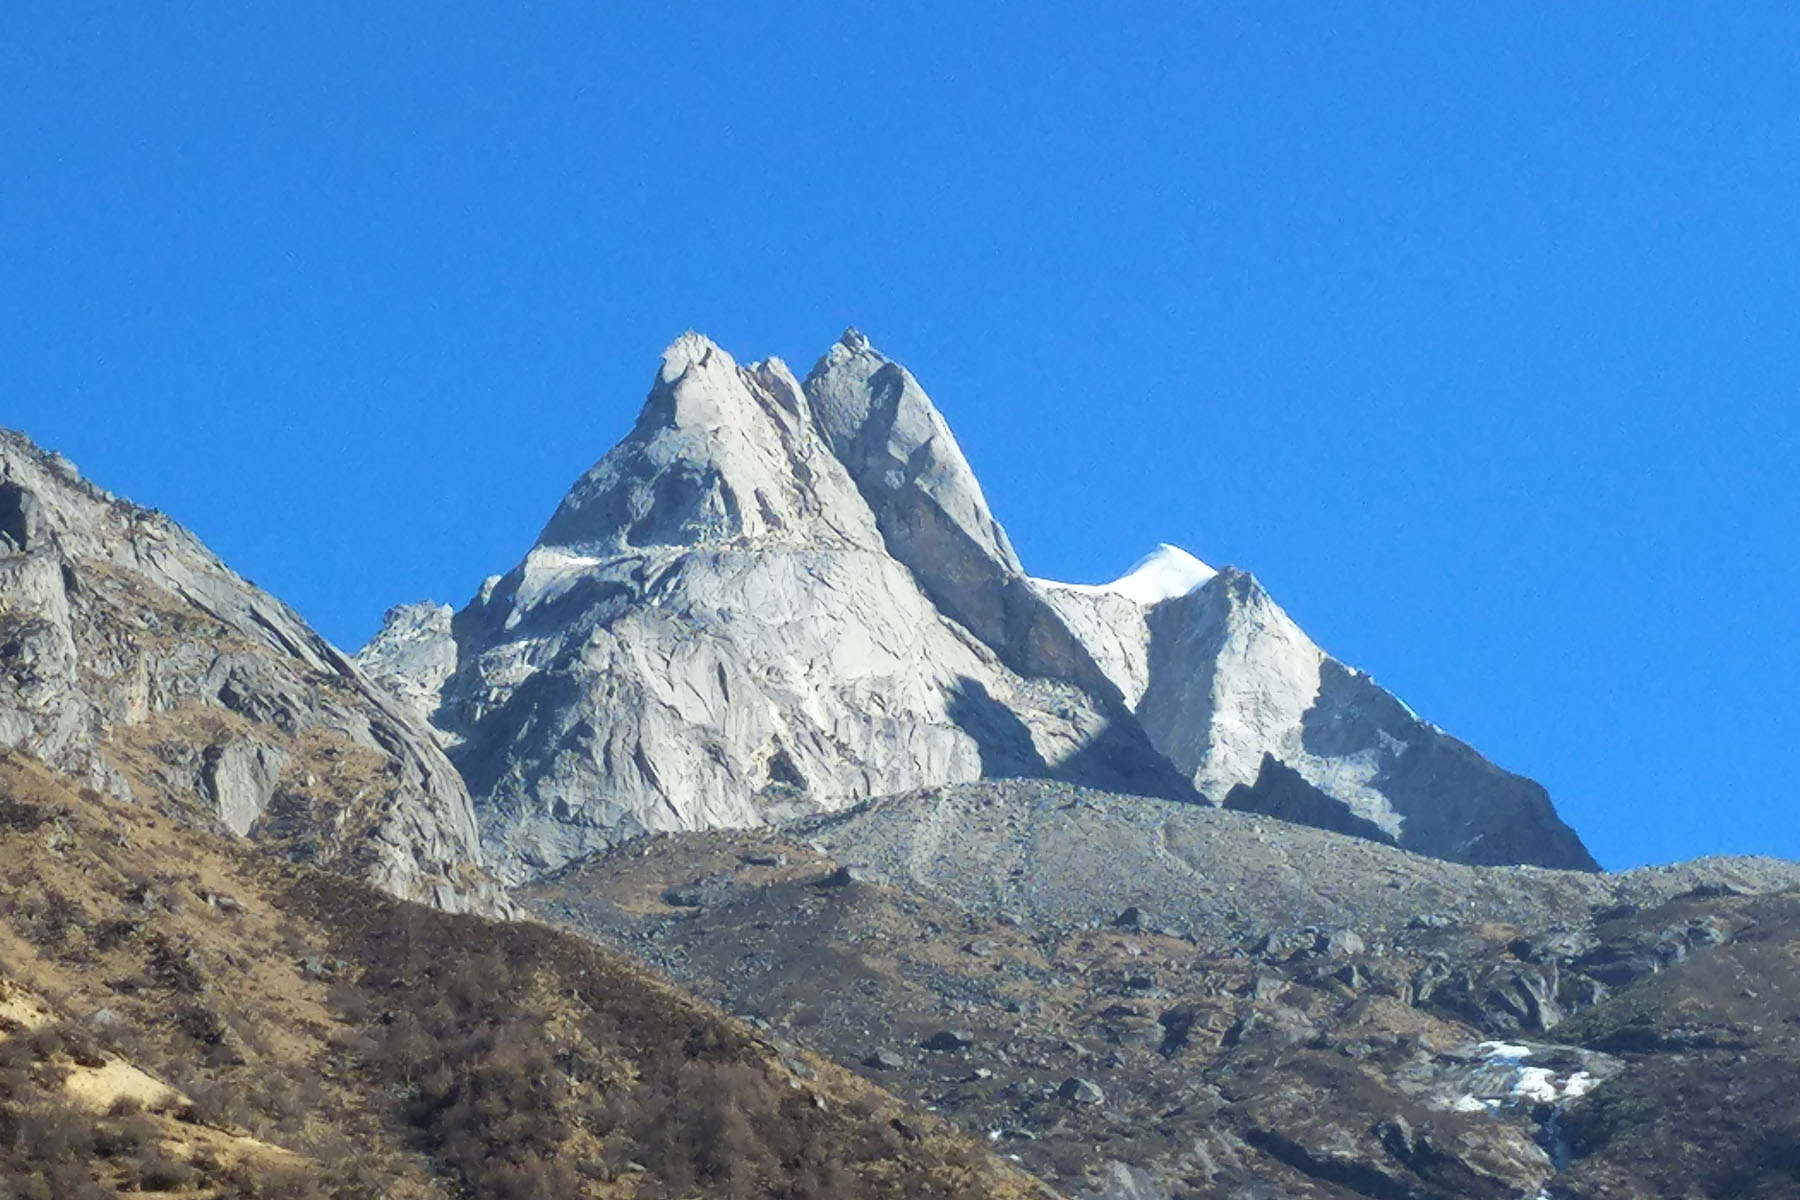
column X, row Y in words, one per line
column 198, row 1018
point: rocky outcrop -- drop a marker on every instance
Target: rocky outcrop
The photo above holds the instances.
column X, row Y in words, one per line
column 1257, row 717
column 933, row 517
column 920, row 489
column 135, row 662
column 1237, row 692
column 1111, row 620
column 710, row 631
column 776, row 597
column 412, row 655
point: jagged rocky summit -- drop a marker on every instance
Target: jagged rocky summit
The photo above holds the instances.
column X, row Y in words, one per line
column 778, row 597
column 137, row 664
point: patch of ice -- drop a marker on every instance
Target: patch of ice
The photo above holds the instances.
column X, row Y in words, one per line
column 1536, row 1083
column 1166, row 572
column 1503, row 1080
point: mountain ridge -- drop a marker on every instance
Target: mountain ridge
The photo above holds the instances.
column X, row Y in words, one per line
column 136, row 662
column 752, row 525
column 1003, row 901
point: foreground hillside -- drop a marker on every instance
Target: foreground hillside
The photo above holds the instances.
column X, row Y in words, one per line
column 1146, row 1000
column 135, row 662
column 181, row 1014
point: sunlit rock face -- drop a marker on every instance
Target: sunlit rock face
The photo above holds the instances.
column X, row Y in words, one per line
column 1237, row 698
column 710, row 631
column 1262, row 719
column 136, row 663
column 777, row 597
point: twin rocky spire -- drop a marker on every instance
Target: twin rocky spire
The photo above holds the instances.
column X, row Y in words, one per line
column 777, row 597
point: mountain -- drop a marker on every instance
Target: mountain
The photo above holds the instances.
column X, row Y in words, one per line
column 710, row 631
column 1127, row 890
column 1239, row 699
column 136, row 663
column 778, row 597
column 1153, row 1000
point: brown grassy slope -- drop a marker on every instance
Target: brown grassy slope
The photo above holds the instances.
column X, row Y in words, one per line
column 180, row 1014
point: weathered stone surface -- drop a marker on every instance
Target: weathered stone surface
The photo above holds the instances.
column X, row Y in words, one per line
column 1236, row 1054
column 1236, row 691
column 934, row 519
column 1239, row 699
column 711, row 632
column 1121, row 1181
column 1081, row 1091
column 132, row 660
column 241, row 776
column 775, row 598
column 412, row 655
column 1055, row 854
column 918, row 486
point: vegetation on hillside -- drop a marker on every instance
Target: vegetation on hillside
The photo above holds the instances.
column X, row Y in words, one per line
column 184, row 1016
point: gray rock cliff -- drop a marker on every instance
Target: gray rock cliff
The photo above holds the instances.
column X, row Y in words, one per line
column 710, row 631
column 138, row 664
column 776, row 598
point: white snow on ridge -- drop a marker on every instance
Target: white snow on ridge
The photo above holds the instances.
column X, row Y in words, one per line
column 1166, row 572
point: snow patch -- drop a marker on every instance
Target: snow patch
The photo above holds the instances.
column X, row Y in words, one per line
column 1164, row 573
column 1536, row 1083
column 1579, row 1084
column 1501, row 1079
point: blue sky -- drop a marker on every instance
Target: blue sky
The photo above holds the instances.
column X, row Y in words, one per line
column 1471, row 329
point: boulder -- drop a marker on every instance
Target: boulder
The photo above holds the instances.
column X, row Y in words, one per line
column 949, row 1039
column 1081, row 1091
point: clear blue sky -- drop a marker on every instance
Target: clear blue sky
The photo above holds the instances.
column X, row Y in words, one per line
column 1471, row 329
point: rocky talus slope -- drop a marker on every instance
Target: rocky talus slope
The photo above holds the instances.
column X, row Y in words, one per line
column 185, row 1014
column 136, row 663
column 1145, row 1000
column 779, row 597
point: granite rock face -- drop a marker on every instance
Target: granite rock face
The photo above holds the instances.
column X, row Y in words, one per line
column 412, row 655
column 710, row 632
column 136, row 663
column 775, row 598
column 1247, row 707
column 923, row 494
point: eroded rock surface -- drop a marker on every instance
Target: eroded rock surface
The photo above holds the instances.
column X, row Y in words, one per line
column 777, row 597
column 710, row 632
column 1257, row 717
column 412, row 655
column 135, row 662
